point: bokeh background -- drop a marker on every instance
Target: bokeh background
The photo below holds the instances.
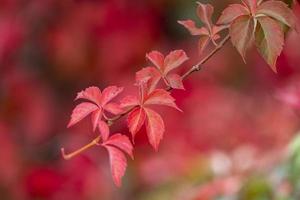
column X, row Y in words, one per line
column 237, row 137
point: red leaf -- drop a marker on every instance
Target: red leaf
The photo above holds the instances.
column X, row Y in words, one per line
column 207, row 33
column 217, row 29
column 175, row 81
column 81, row 111
column 151, row 74
column 129, row 101
column 135, row 120
column 96, row 116
column 241, row 33
column 113, row 108
column 203, row 42
column 204, row 12
column 155, row 128
column 99, row 100
column 104, row 130
column 118, row 164
column 191, row 27
column 92, row 94
column 173, row 60
column 251, row 4
column 161, row 97
column 156, row 58
column 122, row 142
column 279, row 11
column 231, row 13
column 164, row 65
column 109, row 93
column 269, row 39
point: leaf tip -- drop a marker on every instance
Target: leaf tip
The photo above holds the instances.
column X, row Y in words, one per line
column 155, row 147
column 70, row 124
column 180, row 22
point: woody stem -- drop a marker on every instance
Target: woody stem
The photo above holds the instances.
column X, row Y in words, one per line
column 197, row 67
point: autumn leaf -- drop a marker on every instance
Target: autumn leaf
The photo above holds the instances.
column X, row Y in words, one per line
column 81, row 111
column 232, row 12
column 135, row 120
column 269, row 40
column 241, row 32
column 118, row 164
column 122, row 142
column 150, row 76
column 141, row 114
column 116, row 145
column 155, row 128
column 161, row 70
column 97, row 103
column 251, row 5
column 277, row 10
column 262, row 18
column 160, row 97
column 104, row 130
column 209, row 32
column 129, row 101
column 193, row 29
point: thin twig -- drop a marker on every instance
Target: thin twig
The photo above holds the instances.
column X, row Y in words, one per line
column 197, row 67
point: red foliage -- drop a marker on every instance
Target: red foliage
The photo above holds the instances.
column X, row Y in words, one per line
column 247, row 21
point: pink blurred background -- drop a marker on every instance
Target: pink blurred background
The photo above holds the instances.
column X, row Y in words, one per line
column 237, row 121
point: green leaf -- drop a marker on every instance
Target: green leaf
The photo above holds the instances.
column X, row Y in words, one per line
column 241, row 32
column 269, row 39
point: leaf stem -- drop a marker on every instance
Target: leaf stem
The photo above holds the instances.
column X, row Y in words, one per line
column 75, row 153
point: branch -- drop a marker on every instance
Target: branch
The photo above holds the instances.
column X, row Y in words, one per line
column 111, row 121
column 197, row 67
